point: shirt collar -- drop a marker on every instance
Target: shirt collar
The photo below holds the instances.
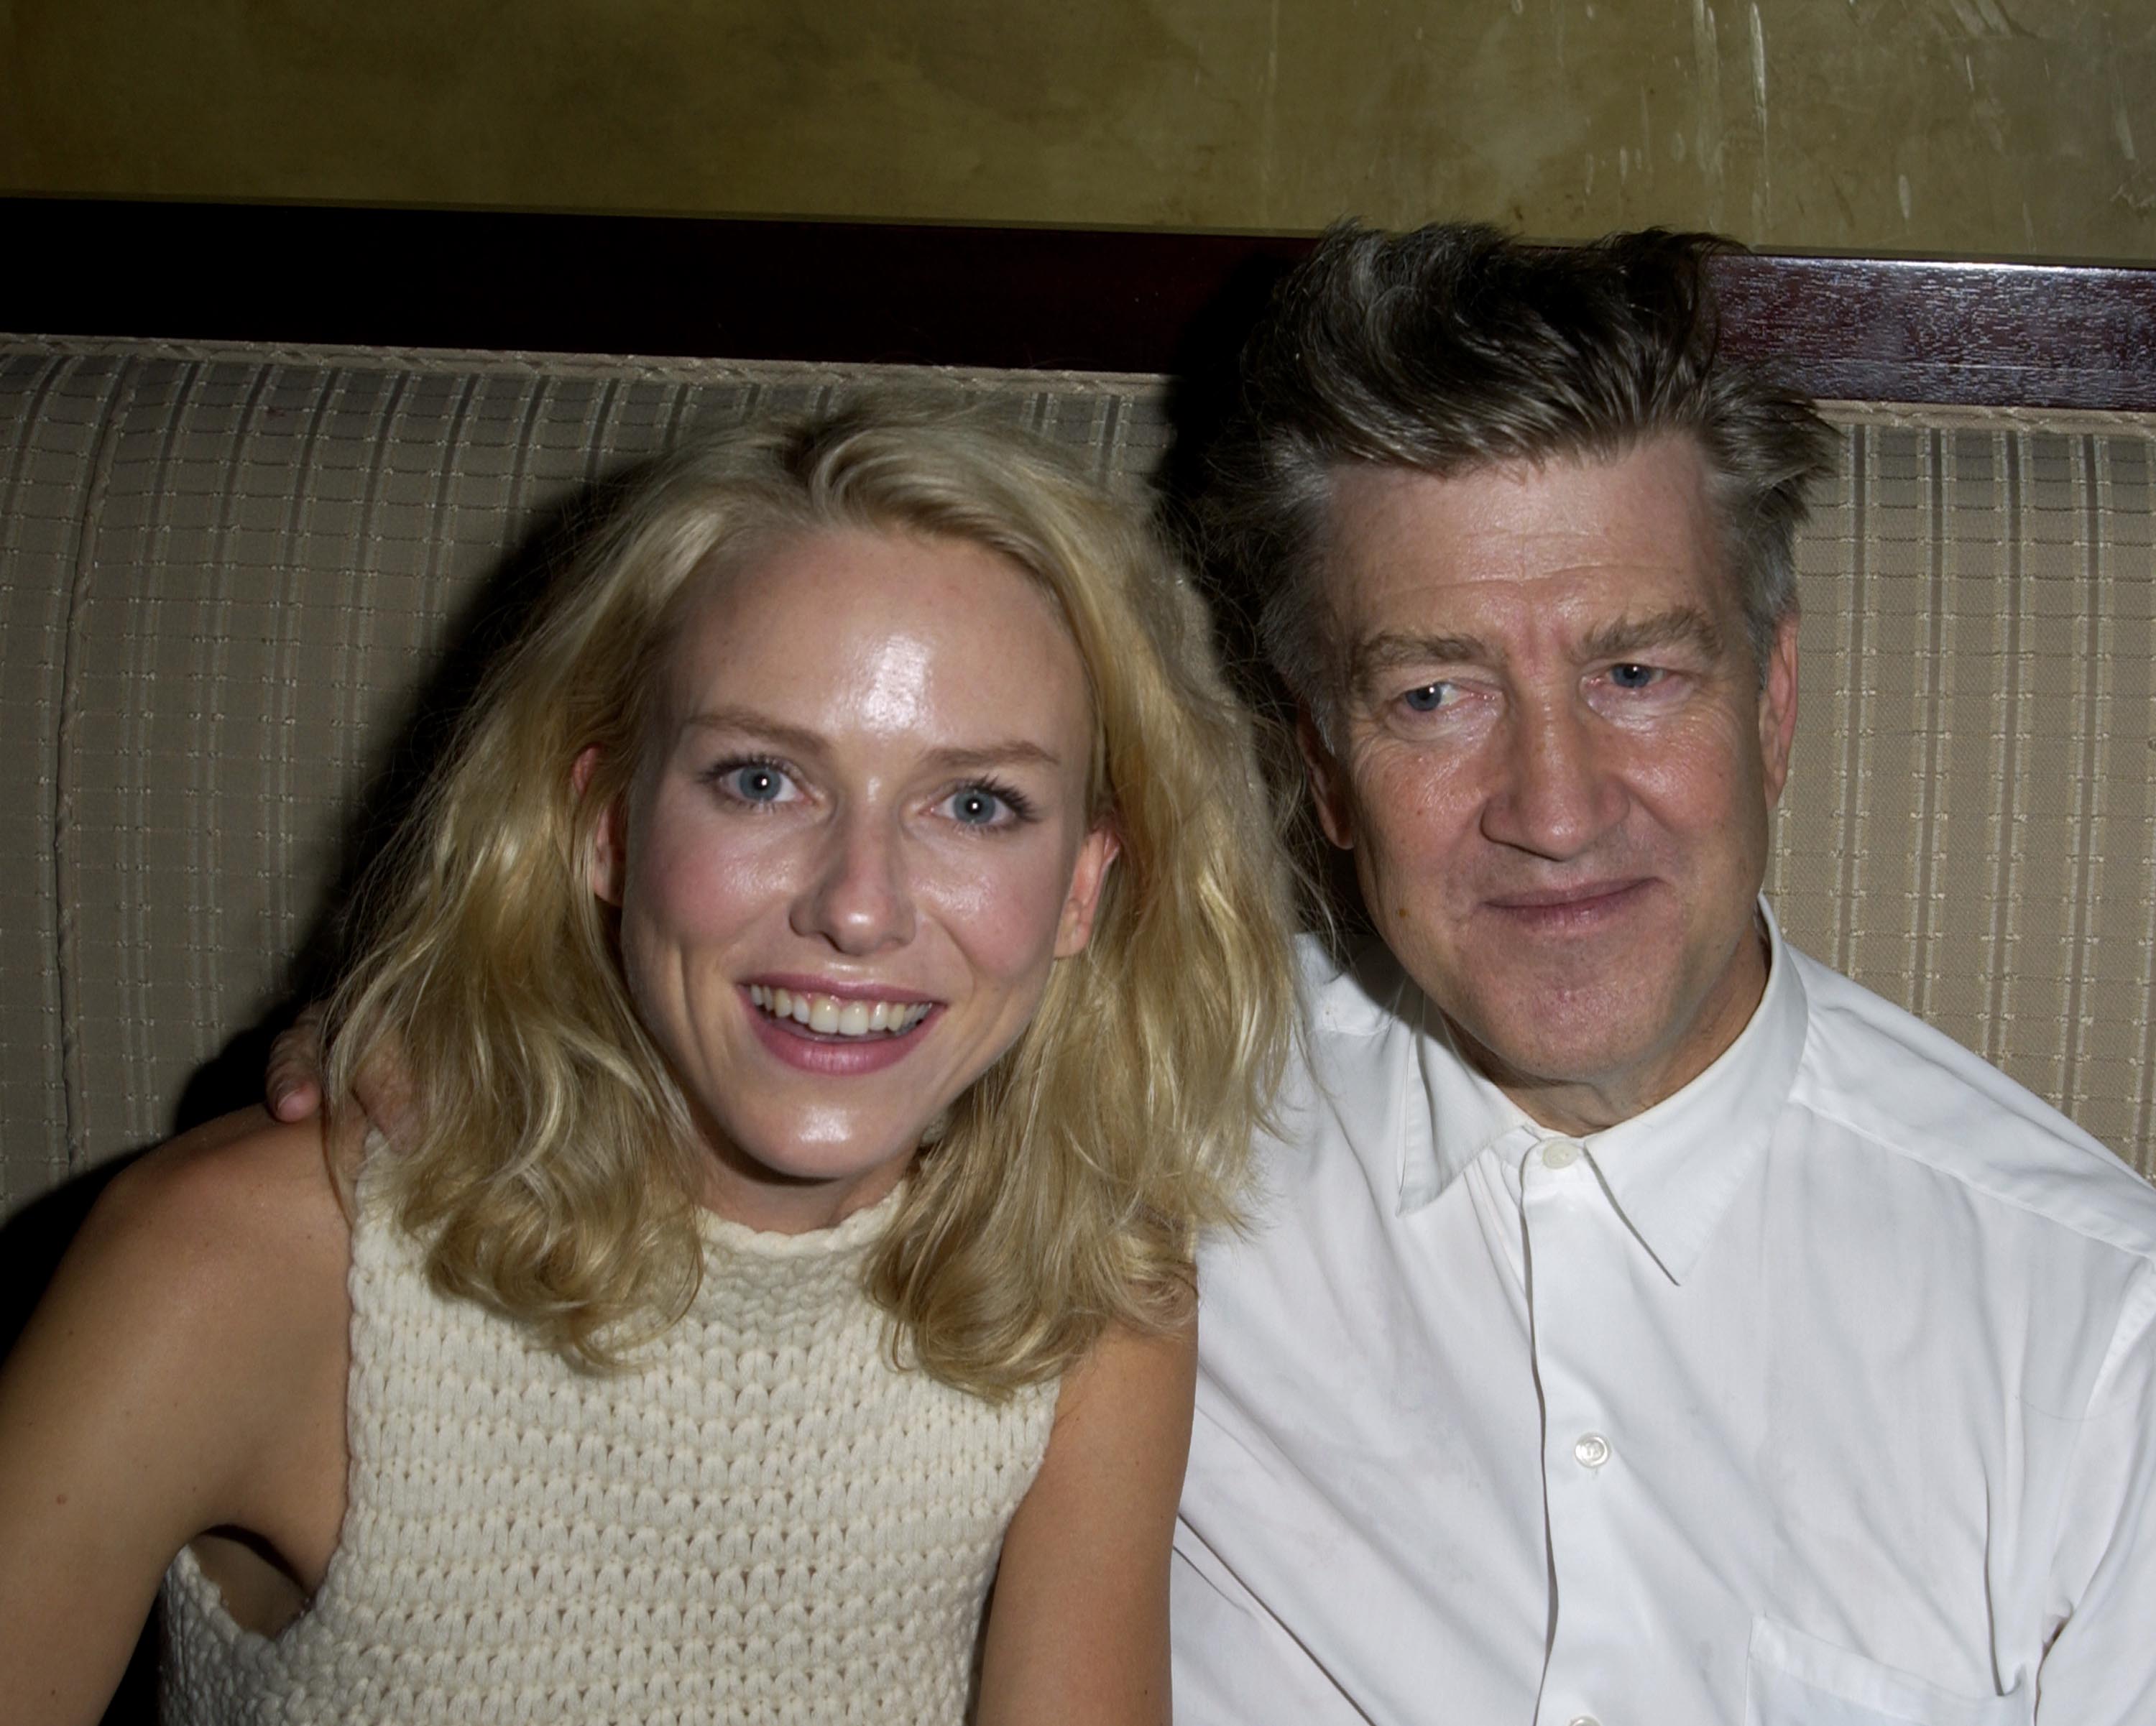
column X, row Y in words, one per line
column 1464, row 1116
column 1672, row 1171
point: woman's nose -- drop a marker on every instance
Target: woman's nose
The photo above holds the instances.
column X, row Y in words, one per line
column 856, row 896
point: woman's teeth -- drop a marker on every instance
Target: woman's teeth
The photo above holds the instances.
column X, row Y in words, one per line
column 834, row 1017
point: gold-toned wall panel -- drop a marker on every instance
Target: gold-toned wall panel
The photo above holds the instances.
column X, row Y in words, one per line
column 1995, row 127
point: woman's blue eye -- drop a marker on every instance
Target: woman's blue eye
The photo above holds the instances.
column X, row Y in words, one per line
column 988, row 807
column 756, row 783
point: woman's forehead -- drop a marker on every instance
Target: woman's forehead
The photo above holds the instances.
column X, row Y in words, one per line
column 884, row 630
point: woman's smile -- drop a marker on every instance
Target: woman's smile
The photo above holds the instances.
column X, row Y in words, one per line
column 834, row 1036
column 849, row 1016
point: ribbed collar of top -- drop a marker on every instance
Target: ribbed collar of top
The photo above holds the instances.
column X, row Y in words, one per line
column 1671, row 1171
column 854, row 1232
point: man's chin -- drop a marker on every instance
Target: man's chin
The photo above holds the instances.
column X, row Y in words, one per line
column 1564, row 1040
column 1560, row 1071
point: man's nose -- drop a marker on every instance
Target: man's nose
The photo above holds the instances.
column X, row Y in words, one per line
column 1558, row 792
column 856, row 895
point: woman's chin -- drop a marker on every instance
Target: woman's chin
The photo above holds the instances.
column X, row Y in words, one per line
column 792, row 1186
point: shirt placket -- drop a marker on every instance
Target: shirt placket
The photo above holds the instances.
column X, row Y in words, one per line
column 1574, row 1237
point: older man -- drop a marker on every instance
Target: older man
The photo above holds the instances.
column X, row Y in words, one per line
column 1645, row 1325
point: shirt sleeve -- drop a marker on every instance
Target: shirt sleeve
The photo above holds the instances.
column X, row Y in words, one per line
column 2100, row 1668
column 1234, row 1664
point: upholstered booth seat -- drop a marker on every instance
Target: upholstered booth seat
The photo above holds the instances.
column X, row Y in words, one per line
column 228, row 574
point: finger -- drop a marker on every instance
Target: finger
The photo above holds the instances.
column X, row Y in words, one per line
column 382, row 1087
column 294, row 1081
column 293, row 1099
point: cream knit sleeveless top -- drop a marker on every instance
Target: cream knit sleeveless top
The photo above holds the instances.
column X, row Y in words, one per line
column 766, row 1523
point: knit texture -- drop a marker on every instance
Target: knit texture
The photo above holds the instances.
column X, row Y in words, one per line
column 766, row 1523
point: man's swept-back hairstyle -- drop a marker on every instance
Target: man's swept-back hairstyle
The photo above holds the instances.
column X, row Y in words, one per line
column 552, row 1173
column 1456, row 346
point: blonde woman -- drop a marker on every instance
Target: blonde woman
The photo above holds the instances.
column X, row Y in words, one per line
column 835, row 972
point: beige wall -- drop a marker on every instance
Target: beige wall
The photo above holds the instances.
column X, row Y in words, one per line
column 1982, row 127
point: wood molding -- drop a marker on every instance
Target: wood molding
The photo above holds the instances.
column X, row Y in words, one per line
column 1039, row 298
column 2000, row 335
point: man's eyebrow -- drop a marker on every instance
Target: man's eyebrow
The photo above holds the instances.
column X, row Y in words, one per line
column 795, row 741
column 1391, row 649
column 1681, row 626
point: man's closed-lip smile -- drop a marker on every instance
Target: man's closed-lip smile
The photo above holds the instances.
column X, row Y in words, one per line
column 1558, row 908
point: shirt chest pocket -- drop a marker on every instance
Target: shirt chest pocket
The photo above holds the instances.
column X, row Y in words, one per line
column 1796, row 1680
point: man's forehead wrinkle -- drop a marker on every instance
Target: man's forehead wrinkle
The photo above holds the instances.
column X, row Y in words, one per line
column 1538, row 559
column 1493, row 548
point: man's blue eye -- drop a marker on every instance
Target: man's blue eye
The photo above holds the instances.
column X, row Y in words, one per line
column 1632, row 677
column 1428, row 698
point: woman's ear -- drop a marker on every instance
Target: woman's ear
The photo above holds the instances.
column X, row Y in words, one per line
column 1087, row 878
column 609, row 854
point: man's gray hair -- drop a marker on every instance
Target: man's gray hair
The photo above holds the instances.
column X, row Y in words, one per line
column 1456, row 346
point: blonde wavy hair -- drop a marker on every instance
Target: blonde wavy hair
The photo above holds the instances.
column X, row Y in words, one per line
column 552, row 1170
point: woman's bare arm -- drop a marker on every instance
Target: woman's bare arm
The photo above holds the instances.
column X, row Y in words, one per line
column 1078, row 1626
column 184, row 1373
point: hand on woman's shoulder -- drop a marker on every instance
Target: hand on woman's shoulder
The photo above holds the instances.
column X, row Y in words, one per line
column 184, row 1372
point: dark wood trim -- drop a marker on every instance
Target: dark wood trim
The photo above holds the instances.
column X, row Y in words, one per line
column 2038, row 335
column 1032, row 298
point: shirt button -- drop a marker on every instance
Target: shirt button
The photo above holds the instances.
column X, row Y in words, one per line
column 1583, row 1720
column 1591, row 1451
column 1560, row 1153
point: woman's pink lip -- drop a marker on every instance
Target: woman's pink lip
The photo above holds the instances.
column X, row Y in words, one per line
column 833, row 1057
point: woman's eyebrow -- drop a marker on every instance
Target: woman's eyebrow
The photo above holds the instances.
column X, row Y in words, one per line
column 794, row 739
column 798, row 740
column 1017, row 752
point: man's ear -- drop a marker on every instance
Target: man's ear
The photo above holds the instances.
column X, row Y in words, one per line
column 1778, row 708
column 609, row 855
column 1328, row 781
column 1083, row 902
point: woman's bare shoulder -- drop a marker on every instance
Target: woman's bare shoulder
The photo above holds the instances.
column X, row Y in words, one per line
column 207, row 1284
column 232, row 1236
column 184, row 1373
column 243, row 1195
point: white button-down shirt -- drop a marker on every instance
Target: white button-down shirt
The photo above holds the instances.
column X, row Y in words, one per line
column 1822, row 1392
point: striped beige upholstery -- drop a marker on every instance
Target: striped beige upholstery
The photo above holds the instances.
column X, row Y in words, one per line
column 223, row 574
column 1970, row 826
